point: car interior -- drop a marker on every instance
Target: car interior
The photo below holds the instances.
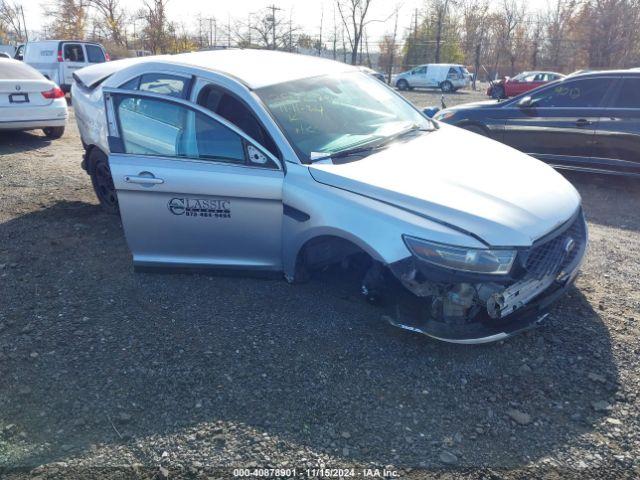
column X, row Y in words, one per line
column 230, row 108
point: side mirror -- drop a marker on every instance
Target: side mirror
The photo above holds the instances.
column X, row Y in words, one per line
column 430, row 111
column 525, row 102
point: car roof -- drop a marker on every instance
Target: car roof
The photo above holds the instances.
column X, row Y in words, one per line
column 605, row 73
column 254, row 68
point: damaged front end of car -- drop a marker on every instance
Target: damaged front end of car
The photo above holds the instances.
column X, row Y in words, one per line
column 479, row 295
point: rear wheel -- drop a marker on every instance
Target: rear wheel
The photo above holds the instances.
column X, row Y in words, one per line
column 446, row 86
column 53, row 132
column 402, row 85
column 102, row 181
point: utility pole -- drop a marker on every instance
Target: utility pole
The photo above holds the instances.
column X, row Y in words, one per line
column 320, row 37
column 273, row 9
column 24, row 24
column 213, row 32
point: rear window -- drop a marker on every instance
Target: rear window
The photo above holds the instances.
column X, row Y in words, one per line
column 94, row 54
column 18, row 71
column 73, row 52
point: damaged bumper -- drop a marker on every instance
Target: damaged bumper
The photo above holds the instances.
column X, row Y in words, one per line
column 460, row 307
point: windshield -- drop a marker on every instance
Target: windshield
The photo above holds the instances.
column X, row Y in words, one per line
column 324, row 115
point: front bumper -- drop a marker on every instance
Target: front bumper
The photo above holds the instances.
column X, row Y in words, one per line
column 548, row 271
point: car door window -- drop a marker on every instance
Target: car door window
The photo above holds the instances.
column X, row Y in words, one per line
column 420, row 71
column 73, row 52
column 235, row 111
column 156, row 127
column 161, row 83
column 573, row 94
column 628, row 95
column 95, row 54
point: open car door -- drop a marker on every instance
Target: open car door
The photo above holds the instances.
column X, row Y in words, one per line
column 193, row 189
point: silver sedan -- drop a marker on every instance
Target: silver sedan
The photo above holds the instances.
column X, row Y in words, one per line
column 260, row 160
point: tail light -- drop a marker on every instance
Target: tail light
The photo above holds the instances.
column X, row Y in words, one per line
column 54, row 93
column 107, row 57
column 60, row 59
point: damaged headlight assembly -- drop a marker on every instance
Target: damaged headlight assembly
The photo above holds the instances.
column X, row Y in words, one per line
column 472, row 260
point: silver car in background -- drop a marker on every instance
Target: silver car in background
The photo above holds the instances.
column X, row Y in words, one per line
column 260, row 160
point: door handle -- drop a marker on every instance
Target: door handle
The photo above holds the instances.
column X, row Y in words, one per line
column 142, row 179
column 583, row 122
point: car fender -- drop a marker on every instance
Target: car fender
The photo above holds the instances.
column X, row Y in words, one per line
column 313, row 210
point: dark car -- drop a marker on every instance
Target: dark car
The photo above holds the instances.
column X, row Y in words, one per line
column 589, row 121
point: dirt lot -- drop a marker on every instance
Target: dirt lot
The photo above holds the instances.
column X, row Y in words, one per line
column 109, row 373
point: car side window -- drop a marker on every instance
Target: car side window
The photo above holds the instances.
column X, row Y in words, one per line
column 235, row 111
column 420, row 71
column 161, row 83
column 73, row 52
column 582, row 93
column 628, row 95
column 95, row 54
column 156, row 127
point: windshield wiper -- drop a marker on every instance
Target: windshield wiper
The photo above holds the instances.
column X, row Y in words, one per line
column 371, row 148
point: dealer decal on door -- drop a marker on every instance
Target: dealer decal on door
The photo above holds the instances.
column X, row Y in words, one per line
column 200, row 207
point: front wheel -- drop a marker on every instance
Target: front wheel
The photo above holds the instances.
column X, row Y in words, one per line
column 103, row 182
column 402, row 85
column 53, row 132
column 446, row 86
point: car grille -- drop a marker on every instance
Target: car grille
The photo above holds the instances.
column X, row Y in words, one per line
column 558, row 252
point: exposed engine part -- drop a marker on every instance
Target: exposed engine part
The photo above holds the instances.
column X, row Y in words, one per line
column 456, row 305
column 510, row 299
column 373, row 283
column 420, row 289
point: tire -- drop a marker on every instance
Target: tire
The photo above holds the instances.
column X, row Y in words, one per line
column 103, row 182
column 446, row 86
column 402, row 84
column 476, row 129
column 497, row 92
column 53, row 133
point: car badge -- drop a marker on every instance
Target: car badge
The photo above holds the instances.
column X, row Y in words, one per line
column 18, row 87
column 569, row 244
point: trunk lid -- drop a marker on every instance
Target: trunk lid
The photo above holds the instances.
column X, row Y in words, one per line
column 24, row 93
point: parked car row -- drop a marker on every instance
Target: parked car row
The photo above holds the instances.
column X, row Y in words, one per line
column 263, row 160
column 587, row 121
column 34, row 83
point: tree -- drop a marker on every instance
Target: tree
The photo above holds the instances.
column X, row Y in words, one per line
column 353, row 14
column 69, row 19
column 110, row 20
column 155, row 31
column 11, row 23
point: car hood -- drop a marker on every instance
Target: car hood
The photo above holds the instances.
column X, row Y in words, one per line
column 465, row 180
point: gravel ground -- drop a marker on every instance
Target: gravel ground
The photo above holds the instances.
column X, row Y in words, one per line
column 107, row 373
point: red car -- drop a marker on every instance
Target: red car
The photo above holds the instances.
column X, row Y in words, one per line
column 523, row 82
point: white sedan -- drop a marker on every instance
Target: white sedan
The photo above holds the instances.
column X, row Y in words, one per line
column 29, row 101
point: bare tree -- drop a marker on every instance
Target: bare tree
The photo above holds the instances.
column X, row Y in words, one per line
column 353, row 14
column 68, row 19
column 110, row 19
column 11, row 21
column 155, row 31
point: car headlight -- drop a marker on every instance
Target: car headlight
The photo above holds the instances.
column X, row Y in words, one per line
column 444, row 115
column 476, row 260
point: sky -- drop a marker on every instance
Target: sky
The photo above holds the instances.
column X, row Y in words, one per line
column 306, row 13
